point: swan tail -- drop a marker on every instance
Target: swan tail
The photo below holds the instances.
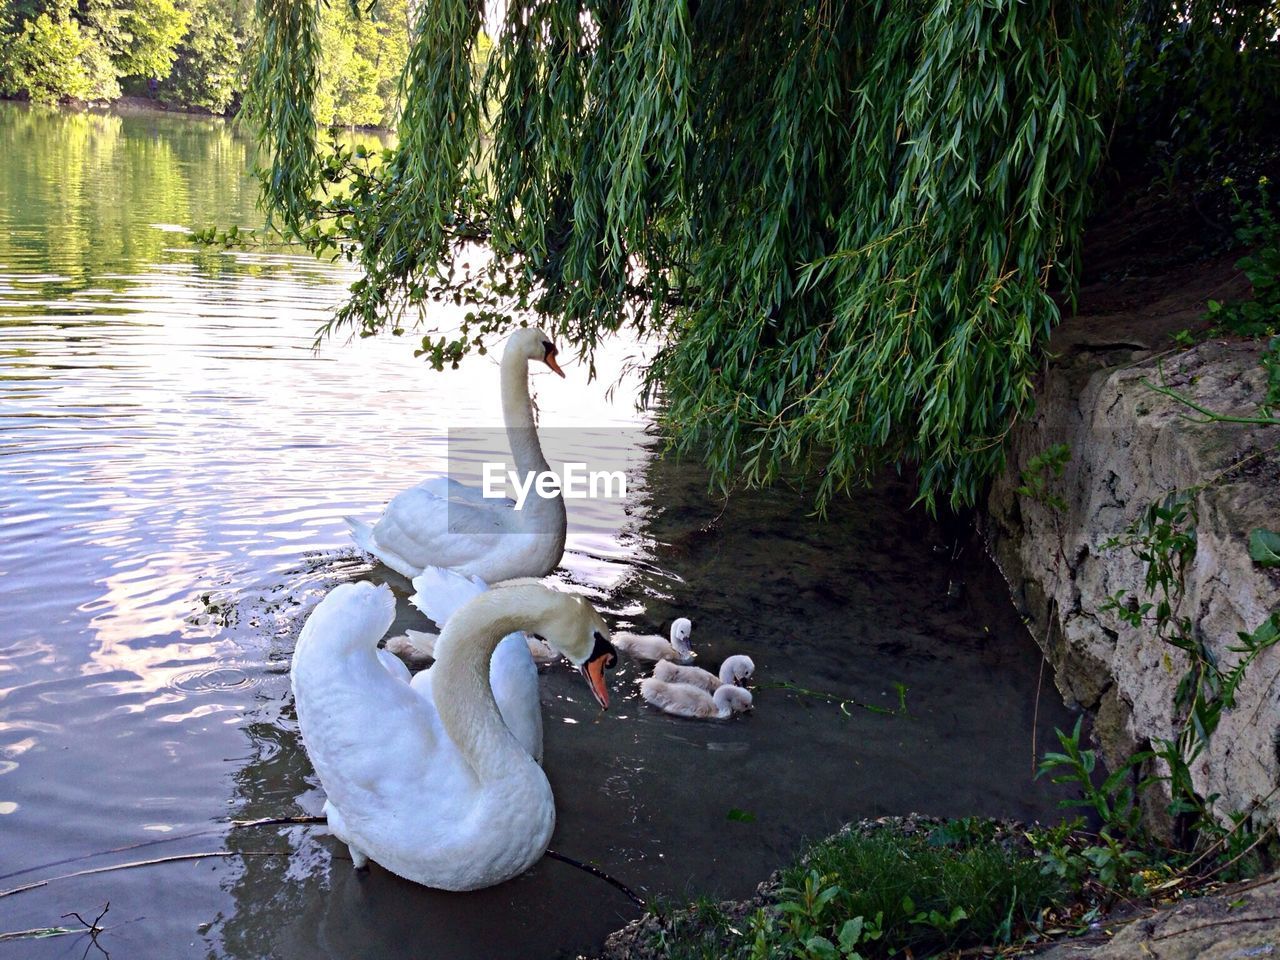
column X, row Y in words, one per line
column 366, row 539
column 439, row 592
column 362, row 534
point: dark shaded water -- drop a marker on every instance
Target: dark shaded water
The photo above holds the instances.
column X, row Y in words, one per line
column 175, row 461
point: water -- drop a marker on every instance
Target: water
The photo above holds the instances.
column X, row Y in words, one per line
column 175, row 461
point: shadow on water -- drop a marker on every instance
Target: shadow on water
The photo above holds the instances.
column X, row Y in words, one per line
column 853, row 606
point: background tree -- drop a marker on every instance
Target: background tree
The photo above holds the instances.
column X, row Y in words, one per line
column 208, row 69
column 139, row 35
column 47, row 54
column 198, row 50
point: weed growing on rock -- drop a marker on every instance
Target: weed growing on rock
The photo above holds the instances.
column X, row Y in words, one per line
column 1041, row 469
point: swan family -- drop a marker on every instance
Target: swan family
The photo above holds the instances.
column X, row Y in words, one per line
column 445, row 787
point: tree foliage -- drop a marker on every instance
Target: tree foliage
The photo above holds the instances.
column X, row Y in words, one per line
column 1202, row 81
column 841, row 221
column 138, row 35
column 48, row 55
column 849, row 228
column 195, row 53
column 208, row 70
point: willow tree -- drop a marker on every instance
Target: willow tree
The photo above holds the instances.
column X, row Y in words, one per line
column 842, row 223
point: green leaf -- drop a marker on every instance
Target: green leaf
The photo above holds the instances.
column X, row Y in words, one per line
column 740, row 816
column 851, row 934
column 822, row 948
column 1264, row 547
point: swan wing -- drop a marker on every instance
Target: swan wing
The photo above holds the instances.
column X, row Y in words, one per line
column 438, row 592
column 337, row 677
column 394, row 666
column 446, row 488
column 420, row 528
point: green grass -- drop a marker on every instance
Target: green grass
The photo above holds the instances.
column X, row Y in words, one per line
column 932, row 890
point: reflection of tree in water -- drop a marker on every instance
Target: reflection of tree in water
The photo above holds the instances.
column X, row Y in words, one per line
column 95, row 185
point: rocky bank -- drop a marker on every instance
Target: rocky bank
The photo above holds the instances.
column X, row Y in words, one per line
column 1131, row 447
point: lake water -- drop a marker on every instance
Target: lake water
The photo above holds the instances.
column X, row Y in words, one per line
column 175, row 463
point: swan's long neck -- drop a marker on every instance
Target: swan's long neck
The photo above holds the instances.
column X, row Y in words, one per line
column 517, row 414
column 539, row 513
column 460, row 681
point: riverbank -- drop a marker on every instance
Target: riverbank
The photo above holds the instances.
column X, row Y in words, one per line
column 130, row 106
column 1224, row 922
column 1071, row 544
column 1071, row 526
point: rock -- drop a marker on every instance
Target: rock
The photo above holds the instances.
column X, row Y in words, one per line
column 1130, row 447
column 1239, row 923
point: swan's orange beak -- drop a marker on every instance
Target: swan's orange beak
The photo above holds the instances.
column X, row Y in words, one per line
column 603, row 655
column 593, row 670
column 550, row 360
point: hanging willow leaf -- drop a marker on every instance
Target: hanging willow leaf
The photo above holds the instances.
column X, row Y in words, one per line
column 844, row 225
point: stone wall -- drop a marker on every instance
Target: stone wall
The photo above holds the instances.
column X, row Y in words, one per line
column 1129, row 447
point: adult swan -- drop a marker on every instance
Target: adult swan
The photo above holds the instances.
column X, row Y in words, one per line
column 443, row 523
column 442, row 794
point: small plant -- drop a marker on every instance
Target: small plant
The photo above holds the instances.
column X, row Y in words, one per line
column 1256, row 227
column 807, row 931
column 1270, row 361
column 1115, row 802
column 1040, row 470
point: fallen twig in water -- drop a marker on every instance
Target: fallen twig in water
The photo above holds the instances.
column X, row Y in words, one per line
column 596, row 872
column 212, row 831
column 92, row 929
column 39, row 933
column 842, row 702
column 45, row 933
column 143, row 863
column 274, row 821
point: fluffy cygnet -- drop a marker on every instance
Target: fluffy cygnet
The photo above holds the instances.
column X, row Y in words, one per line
column 685, row 700
column 652, row 647
column 733, row 671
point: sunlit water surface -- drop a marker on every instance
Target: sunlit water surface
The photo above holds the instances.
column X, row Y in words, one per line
column 175, row 463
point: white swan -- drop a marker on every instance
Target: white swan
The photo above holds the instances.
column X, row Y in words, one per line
column 733, row 671
column 441, row 522
column 442, row 794
column 652, row 647
column 686, row 700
